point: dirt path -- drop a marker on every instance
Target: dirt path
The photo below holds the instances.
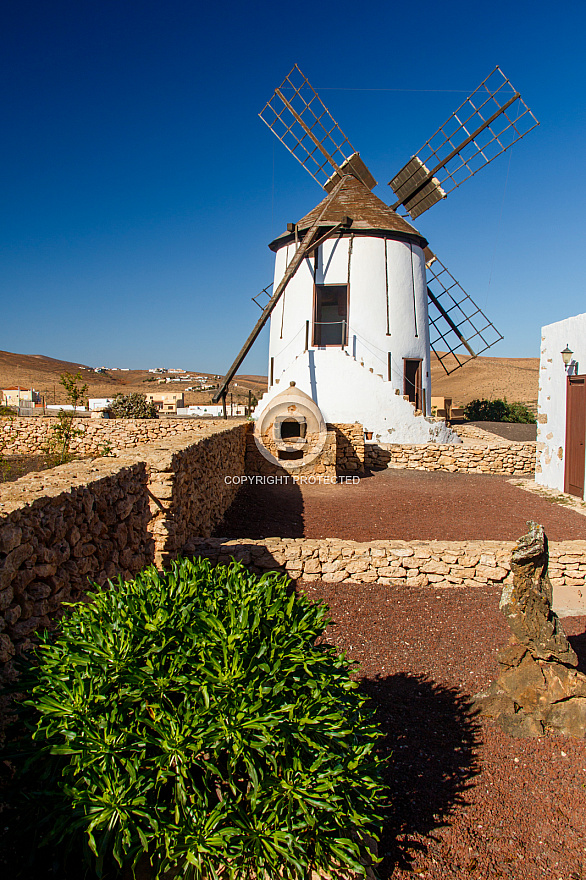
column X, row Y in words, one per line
column 465, row 799
column 399, row 504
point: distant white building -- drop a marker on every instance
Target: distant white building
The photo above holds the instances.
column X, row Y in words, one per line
column 99, row 403
column 561, row 419
column 212, row 410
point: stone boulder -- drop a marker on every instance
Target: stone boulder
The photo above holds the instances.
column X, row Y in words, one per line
column 539, row 689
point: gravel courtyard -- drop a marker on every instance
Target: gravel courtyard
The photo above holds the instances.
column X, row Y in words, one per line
column 399, row 504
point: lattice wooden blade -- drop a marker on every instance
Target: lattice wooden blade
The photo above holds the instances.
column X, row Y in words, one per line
column 458, row 328
column 299, row 118
column 490, row 121
column 265, row 292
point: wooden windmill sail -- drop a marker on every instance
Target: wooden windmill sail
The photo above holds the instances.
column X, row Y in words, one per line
column 490, row 121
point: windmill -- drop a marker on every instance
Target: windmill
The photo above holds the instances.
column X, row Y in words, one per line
column 418, row 303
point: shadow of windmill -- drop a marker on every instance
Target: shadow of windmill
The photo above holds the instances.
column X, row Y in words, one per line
column 431, row 739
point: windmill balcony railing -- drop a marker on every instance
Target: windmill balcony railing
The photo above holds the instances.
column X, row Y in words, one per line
column 334, row 333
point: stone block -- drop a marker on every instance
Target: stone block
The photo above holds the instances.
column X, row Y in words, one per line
column 491, row 573
column 7, row 649
column 435, row 567
column 419, row 581
column 312, row 566
column 393, row 571
column 568, row 717
column 411, row 563
column 334, row 577
column 10, row 537
column 329, row 567
column 357, row 565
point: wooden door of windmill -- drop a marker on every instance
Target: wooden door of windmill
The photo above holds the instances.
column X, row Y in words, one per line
column 412, row 380
column 575, row 436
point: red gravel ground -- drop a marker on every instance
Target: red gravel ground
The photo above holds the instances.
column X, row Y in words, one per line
column 465, row 799
column 399, row 504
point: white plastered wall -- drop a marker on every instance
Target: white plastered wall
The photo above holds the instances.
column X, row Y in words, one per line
column 387, row 306
column 551, row 418
column 347, row 392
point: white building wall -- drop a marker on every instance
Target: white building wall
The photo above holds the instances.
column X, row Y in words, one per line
column 367, row 331
column 408, row 320
column 387, row 305
column 332, row 262
column 295, row 307
column 551, row 419
column 347, row 392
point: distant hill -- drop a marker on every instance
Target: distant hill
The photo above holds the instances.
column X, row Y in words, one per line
column 35, row 363
column 43, row 374
column 513, row 378
column 489, row 377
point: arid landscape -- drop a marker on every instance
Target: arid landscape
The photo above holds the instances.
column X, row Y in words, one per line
column 43, row 374
column 516, row 379
column 489, row 377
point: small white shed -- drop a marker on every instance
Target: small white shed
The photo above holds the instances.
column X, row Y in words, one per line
column 561, row 419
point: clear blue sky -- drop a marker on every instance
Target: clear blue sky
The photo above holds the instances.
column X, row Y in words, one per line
column 139, row 189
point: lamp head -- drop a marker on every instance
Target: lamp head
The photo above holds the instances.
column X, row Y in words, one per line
column 567, row 355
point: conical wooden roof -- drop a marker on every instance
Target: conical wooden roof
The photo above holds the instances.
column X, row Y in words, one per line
column 368, row 213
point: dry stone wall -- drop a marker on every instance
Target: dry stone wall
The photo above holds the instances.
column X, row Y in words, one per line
column 480, row 453
column 88, row 521
column 492, row 455
column 94, row 520
column 516, row 459
column 188, row 487
column 349, row 447
column 393, row 563
column 165, row 491
column 22, row 435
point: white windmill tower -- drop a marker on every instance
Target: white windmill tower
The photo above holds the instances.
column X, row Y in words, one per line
column 352, row 305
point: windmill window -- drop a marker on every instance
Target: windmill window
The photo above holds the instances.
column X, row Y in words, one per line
column 330, row 315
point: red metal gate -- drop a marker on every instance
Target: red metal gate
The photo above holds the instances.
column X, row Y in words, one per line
column 575, row 436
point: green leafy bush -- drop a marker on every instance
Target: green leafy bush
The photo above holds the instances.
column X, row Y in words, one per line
column 497, row 411
column 189, row 718
column 133, row 406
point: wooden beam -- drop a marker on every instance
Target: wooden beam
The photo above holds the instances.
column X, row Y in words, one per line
column 298, row 257
column 343, row 224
